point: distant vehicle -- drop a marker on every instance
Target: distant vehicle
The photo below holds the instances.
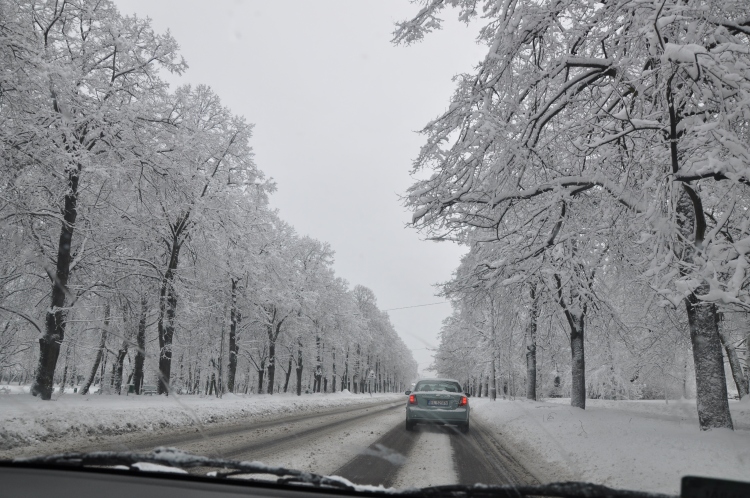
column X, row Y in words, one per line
column 437, row 401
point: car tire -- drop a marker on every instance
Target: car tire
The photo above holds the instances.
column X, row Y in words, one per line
column 409, row 426
column 465, row 428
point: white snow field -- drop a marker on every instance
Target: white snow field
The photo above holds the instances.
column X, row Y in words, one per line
column 638, row 445
column 27, row 421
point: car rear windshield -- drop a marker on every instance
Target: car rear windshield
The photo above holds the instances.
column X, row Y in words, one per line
column 439, row 385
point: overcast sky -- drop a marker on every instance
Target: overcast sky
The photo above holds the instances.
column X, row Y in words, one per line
column 336, row 108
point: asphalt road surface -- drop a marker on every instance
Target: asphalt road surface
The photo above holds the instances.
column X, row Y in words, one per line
column 365, row 444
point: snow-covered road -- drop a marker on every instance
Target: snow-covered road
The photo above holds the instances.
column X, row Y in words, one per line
column 435, row 455
column 366, row 443
column 640, row 445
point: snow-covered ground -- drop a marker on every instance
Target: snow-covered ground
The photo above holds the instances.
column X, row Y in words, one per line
column 26, row 421
column 639, row 445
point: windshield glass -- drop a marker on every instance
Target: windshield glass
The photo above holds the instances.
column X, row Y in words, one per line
column 219, row 225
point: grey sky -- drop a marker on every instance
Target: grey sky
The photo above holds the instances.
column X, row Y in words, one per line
column 335, row 107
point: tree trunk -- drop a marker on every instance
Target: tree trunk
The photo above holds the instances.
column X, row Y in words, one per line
column 531, row 345
column 234, row 347
column 318, row 366
column 140, row 341
column 578, row 361
column 65, row 370
column 345, row 379
column 575, row 314
column 333, row 366
column 734, row 363
column 299, row 366
column 167, row 310
column 121, row 353
column 261, row 372
column 273, row 330
column 271, row 366
column 99, row 353
column 710, row 380
column 54, row 329
column 288, row 374
column 220, row 359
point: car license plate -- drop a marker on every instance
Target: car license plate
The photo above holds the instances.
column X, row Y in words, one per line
column 438, row 402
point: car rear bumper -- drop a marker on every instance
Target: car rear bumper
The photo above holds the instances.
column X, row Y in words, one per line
column 436, row 416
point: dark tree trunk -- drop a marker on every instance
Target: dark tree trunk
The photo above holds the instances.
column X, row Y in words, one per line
column 212, row 387
column 123, row 351
column 531, row 345
column 288, row 374
column 271, row 366
column 197, row 380
column 575, row 314
column 318, row 367
column 99, row 354
column 333, row 365
column 578, row 362
column 261, row 372
column 234, row 348
column 734, row 363
column 168, row 305
column 345, row 379
column 273, row 330
column 54, row 325
column 299, row 366
column 710, row 380
column 140, row 341
column 65, row 370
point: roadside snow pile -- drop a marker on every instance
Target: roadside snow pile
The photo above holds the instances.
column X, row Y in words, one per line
column 638, row 445
column 26, row 420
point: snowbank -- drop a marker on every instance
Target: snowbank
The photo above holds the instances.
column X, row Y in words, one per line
column 639, row 445
column 26, row 420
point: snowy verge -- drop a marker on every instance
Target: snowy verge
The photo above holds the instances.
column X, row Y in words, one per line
column 29, row 421
column 645, row 446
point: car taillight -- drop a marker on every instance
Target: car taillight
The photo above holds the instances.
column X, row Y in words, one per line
column 463, row 401
column 412, row 399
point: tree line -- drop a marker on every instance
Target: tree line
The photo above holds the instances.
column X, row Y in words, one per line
column 597, row 165
column 138, row 245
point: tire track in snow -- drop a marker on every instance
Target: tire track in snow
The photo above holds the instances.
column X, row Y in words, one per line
column 436, row 455
column 481, row 458
column 431, row 461
column 381, row 464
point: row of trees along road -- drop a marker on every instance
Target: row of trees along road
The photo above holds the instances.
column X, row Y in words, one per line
column 137, row 241
column 597, row 164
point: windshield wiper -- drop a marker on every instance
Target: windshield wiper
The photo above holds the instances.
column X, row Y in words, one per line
column 172, row 457
column 555, row 489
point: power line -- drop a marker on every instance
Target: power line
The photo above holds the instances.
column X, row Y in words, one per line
column 417, row 306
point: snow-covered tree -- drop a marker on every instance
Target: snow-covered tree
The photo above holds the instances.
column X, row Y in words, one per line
column 640, row 107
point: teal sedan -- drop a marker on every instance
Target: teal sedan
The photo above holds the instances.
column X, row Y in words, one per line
column 437, row 401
